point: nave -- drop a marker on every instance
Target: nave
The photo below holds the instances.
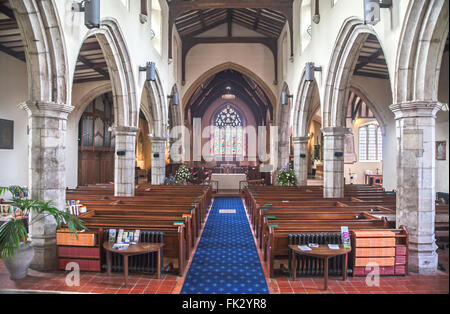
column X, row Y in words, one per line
column 226, row 260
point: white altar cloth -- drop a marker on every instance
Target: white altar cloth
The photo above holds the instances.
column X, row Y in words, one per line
column 228, row 181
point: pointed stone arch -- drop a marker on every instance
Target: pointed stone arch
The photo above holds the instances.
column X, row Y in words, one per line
column 154, row 107
column 415, row 107
column 303, row 113
column 116, row 53
column 48, row 78
column 419, row 57
column 48, row 107
column 228, row 66
column 351, row 38
column 304, row 108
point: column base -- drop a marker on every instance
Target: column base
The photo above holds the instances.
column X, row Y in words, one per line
column 424, row 263
column 45, row 257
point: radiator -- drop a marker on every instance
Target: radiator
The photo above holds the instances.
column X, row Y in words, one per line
column 145, row 263
column 311, row 266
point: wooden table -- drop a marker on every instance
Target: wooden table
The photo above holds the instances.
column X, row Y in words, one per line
column 322, row 252
column 132, row 250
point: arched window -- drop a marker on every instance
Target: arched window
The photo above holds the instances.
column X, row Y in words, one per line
column 305, row 22
column 370, row 143
column 156, row 22
column 126, row 3
column 228, row 133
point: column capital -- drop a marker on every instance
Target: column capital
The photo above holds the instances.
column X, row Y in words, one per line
column 125, row 130
column 335, row 131
column 46, row 109
column 301, row 139
column 416, row 109
column 156, row 139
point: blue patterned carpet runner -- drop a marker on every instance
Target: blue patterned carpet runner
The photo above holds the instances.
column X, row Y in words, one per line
column 226, row 260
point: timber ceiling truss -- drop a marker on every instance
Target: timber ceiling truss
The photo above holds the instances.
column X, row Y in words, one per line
column 91, row 64
column 241, row 85
column 265, row 17
column 371, row 62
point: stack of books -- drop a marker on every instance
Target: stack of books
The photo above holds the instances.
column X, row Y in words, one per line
column 75, row 208
column 8, row 211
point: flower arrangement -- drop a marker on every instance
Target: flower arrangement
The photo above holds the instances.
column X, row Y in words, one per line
column 286, row 177
column 170, row 180
column 183, row 175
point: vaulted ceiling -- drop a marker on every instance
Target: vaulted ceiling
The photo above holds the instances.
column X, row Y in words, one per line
column 243, row 87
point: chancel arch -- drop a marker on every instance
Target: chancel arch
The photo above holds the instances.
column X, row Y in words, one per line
column 228, row 92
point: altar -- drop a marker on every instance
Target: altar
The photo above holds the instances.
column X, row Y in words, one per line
column 228, row 181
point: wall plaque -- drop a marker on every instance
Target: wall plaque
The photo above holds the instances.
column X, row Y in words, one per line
column 6, row 134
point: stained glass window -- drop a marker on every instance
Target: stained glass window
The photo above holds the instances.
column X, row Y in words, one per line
column 228, row 132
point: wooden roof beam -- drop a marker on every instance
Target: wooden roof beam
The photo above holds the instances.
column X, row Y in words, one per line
column 177, row 8
column 12, row 53
column 94, row 66
column 7, row 11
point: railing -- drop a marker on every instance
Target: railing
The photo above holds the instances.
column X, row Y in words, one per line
column 245, row 183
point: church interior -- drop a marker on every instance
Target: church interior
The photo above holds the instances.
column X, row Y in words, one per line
column 224, row 147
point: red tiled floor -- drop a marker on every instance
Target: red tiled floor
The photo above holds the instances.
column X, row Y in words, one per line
column 171, row 283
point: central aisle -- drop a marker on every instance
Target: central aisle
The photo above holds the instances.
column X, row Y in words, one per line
column 226, row 260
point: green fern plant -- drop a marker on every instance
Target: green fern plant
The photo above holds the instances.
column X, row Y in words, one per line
column 14, row 232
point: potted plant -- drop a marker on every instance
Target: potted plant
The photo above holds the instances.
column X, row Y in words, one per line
column 15, row 248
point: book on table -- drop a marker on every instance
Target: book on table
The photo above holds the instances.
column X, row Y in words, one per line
column 112, row 236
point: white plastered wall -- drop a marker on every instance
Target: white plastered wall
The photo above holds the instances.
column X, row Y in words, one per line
column 13, row 91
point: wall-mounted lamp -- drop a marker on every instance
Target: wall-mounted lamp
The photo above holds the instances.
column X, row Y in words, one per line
column 91, row 9
column 372, row 10
column 316, row 16
column 303, row 156
column 285, row 98
column 150, row 70
column 310, row 71
column 175, row 98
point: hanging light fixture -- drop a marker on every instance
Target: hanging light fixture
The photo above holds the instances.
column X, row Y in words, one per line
column 228, row 95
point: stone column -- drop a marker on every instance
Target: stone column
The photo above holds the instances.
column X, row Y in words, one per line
column 333, row 168
column 47, row 124
column 125, row 160
column 301, row 159
column 158, row 160
column 283, row 154
column 415, row 122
